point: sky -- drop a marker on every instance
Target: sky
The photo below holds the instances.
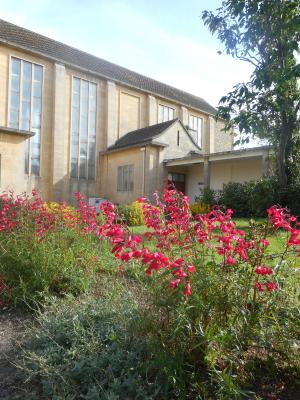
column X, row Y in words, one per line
column 163, row 39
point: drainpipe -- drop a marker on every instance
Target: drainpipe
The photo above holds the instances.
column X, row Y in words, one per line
column 143, row 150
column 206, row 172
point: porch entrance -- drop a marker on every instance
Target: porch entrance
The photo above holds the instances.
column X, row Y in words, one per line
column 178, row 181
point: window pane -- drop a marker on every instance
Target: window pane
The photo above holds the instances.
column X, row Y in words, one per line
column 171, row 114
column 35, row 166
column 82, row 168
column 92, row 122
column 26, row 109
column 38, row 73
column 91, row 171
column 26, row 91
column 14, row 100
column 166, row 114
column 14, row 119
column 130, row 188
column 36, row 120
column 15, row 83
column 93, row 95
column 37, row 89
column 119, row 184
column 161, row 114
column 74, row 169
column 91, row 151
column 75, row 119
column 25, row 124
column 26, row 71
column 15, row 66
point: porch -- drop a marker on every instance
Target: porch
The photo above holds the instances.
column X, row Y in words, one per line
column 214, row 170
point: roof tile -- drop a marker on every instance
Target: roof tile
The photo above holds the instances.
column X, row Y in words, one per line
column 15, row 35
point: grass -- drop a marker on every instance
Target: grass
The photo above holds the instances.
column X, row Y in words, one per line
column 275, row 240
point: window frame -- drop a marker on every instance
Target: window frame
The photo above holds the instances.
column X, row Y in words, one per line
column 93, row 82
column 129, row 169
column 199, row 142
column 32, row 62
column 164, row 106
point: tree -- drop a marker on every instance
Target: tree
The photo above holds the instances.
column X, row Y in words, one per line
column 265, row 33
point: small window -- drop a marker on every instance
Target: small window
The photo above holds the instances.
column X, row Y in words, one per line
column 196, row 125
column 165, row 113
column 178, row 138
column 125, row 178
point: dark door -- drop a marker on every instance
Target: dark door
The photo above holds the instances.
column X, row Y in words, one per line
column 178, row 180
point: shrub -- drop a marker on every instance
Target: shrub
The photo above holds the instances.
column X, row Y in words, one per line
column 45, row 251
column 219, row 297
column 199, row 208
column 87, row 350
column 207, row 196
column 230, row 297
column 235, row 196
column 124, row 213
column 136, row 214
column 252, row 199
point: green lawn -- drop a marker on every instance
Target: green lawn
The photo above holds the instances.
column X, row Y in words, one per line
column 276, row 240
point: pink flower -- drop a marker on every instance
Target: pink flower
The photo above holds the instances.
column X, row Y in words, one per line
column 259, row 287
column 187, row 290
column 191, row 268
column 265, row 242
column 175, row 283
column 271, row 286
column 230, row 260
column 262, row 270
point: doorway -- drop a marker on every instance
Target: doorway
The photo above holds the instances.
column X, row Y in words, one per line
column 178, row 181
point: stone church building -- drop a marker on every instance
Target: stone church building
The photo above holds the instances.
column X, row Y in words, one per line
column 70, row 121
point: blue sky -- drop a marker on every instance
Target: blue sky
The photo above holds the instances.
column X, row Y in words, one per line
column 163, row 39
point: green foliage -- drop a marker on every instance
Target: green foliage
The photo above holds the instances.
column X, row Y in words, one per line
column 131, row 214
column 199, row 208
column 87, row 350
column 136, row 214
column 233, row 196
column 252, row 199
column 265, row 34
column 214, row 334
column 124, row 213
column 64, row 262
column 207, row 196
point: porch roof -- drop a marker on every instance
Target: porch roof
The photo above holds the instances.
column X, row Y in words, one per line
column 195, row 158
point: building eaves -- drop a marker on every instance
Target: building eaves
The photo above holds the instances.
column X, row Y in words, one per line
column 142, row 135
column 18, row 37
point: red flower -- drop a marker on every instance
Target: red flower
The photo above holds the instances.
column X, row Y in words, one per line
column 262, row 270
column 187, row 290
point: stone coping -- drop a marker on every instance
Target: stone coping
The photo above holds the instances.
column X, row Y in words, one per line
column 16, row 132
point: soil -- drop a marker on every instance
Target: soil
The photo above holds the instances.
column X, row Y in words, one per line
column 12, row 335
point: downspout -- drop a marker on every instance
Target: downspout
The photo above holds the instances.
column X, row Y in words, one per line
column 143, row 149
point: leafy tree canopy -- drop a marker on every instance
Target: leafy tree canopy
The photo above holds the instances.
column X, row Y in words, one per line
column 265, row 33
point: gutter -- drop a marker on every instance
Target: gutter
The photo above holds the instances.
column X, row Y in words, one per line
column 133, row 146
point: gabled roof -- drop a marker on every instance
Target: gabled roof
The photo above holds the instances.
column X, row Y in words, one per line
column 148, row 135
column 141, row 136
column 49, row 48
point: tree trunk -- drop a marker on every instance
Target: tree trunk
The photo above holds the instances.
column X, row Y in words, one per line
column 285, row 135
